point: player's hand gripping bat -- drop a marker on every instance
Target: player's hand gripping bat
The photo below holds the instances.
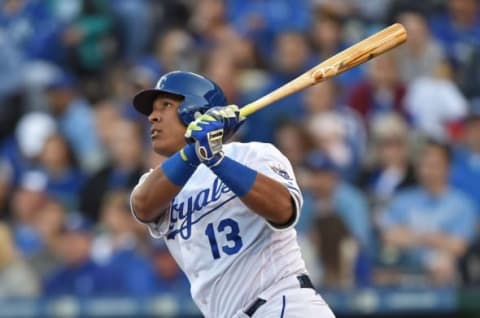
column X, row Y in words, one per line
column 357, row 54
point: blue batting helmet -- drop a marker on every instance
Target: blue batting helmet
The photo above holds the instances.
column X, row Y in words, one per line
column 197, row 92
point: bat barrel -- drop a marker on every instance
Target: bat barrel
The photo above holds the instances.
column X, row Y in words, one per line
column 365, row 50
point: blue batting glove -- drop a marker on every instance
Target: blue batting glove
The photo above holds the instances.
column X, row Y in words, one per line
column 230, row 117
column 207, row 133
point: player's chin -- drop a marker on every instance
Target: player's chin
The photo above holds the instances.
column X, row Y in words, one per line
column 162, row 147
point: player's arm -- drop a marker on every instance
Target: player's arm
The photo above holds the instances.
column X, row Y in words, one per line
column 262, row 194
column 153, row 194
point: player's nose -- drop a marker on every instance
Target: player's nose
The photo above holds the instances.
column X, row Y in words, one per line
column 154, row 117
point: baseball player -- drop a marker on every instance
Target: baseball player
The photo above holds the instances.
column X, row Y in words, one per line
column 226, row 211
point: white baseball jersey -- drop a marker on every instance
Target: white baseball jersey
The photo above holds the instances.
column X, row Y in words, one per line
column 229, row 253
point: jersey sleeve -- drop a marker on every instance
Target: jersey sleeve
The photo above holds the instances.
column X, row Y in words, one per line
column 269, row 161
column 159, row 227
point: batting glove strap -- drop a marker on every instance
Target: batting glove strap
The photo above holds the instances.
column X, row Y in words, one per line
column 238, row 177
column 215, row 160
column 207, row 133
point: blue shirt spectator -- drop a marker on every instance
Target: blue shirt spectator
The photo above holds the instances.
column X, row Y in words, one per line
column 451, row 213
column 292, row 57
column 82, row 281
column 458, row 29
column 78, row 274
column 168, row 277
column 31, row 28
column 348, row 202
column 466, row 174
column 127, row 272
column 328, row 193
column 75, row 120
column 430, row 225
column 126, row 269
column 466, row 161
column 263, row 20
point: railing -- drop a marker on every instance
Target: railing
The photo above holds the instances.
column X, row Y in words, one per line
column 362, row 302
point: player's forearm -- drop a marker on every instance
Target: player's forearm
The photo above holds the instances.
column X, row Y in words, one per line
column 263, row 195
column 152, row 196
column 150, row 199
column 269, row 199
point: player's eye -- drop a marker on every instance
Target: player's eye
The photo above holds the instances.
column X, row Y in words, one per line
column 167, row 104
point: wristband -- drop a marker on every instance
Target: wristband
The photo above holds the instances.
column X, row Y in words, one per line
column 177, row 169
column 189, row 155
column 238, row 177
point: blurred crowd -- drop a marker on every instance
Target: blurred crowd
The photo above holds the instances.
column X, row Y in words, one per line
column 387, row 154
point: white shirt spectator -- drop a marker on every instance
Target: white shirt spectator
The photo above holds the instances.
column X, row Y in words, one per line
column 433, row 103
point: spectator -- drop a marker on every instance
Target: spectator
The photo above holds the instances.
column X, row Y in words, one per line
column 430, row 225
column 123, row 170
column 466, row 161
column 381, row 91
column 338, row 130
column 435, row 104
column 458, row 29
column 75, row 119
column 88, row 38
column 5, row 185
column 469, row 79
column 32, row 29
column 293, row 140
column 389, row 169
column 64, row 178
column 330, row 200
column 49, row 223
column 106, row 114
column 328, row 193
column 337, row 251
column 244, row 51
column 77, row 275
column 327, row 36
column 292, row 58
column 168, row 276
column 16, row 278
column 134, row 21
column 175, row 50
column 27, row 200
column 116, row 249
column 20, row 152
column 11, row 81
column 374, row 10
column 208, row 21
column 220, row 67
column 263, row 21
column 421, row 55
column 470, row 265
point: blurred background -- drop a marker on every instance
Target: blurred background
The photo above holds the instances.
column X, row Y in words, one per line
column 387, row 154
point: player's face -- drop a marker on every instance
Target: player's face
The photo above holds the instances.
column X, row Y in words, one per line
column 166, row 128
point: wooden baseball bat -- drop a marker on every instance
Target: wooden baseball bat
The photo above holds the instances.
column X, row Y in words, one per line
column 356, row 54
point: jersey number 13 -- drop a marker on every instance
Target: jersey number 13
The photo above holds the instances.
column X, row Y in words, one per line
column 232, row 231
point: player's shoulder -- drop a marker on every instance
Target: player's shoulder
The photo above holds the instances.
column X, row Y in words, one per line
column 252, row 149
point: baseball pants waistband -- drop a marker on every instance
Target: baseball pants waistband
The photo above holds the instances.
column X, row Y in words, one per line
column 305, row 282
